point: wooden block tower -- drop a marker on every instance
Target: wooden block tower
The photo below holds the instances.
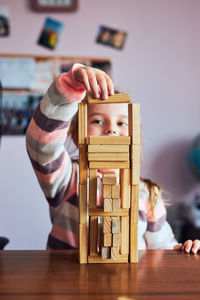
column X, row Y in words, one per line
column 110, row 235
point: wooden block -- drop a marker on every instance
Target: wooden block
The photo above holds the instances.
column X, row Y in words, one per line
column 130, row 121
column 110, row 140
column 108, row 174
column 135, row 164
column 83, row 203
column 116, row 98
column 124, row 235
column 99, row 212
column 92, row 188
column 116, row 204
column 105, row 252
column 115, row 253
column 106, row 191
column 116, row 191
column 108, row 148
column 98, row 260
column 116, row 239
column 98, row 156
column 109, row 165
column 125, row 187
column 134, row 211
column 106, row 224
column 134, row 223
column 83, row 164
column 134, row 243
column 93, row 235
column 109, row 178
column 83, row 244
column 115, row 225
column 107, row 239
column 107, row 205
column 82, row 122
column 134, row 122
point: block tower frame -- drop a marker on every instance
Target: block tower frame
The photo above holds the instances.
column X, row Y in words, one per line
column 128, row 161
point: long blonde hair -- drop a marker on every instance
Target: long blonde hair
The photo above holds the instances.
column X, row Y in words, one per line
column 154, row 191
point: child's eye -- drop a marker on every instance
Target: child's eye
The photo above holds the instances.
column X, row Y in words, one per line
column 99, row 122
column 122, row 124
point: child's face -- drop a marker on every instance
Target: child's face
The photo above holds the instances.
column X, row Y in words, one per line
column 108, row 119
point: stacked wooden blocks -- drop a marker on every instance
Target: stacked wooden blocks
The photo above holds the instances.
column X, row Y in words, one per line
column 111, row 193
column 110, row 238
column 105, row 244
column 112, row 230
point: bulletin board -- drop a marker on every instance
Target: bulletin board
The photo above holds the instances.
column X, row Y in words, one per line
column 26, row 78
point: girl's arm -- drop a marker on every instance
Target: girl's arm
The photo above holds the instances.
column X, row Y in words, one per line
column 48, row 128
column 47, row 133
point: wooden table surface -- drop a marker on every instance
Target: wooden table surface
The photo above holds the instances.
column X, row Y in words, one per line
column 160, row 274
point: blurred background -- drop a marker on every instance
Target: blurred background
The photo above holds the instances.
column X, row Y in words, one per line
column 158, row 64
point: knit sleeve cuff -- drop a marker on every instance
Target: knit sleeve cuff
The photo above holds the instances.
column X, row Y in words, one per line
column 69, row 87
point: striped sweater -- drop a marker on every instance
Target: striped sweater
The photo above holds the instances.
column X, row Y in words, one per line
column 57, row 173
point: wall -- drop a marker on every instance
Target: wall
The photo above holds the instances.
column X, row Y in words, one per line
column 159, row 67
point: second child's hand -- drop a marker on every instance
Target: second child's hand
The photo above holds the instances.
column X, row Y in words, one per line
column 96, row 81
column 189, row 246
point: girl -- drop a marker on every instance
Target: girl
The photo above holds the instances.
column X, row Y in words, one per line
column 57, row 169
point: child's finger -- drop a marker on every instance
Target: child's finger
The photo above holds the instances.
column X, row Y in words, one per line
column 187, row 246
column 178, row 246
column 93, row 84
column 110, row 85
column 103, row 86
column 85, row 80
column 196, row 246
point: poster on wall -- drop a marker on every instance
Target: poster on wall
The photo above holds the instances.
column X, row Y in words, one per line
column 22, row 93
column 111, row 37
column 24, row 67
column 4, row 21
column 50, row 33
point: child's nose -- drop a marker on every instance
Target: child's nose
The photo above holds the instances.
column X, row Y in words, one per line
column 111, row 130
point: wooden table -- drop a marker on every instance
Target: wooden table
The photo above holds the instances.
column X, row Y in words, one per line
column 160, row 274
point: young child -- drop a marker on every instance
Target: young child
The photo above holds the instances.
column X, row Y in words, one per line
column 57, row 171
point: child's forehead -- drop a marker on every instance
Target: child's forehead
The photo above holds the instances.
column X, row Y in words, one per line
column 111, row 108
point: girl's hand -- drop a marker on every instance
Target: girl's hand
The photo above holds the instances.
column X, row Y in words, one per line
column 95, row 80
column 188, row 246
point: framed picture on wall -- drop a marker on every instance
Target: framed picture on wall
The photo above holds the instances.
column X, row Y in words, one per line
column 50, row 33
column 114, row 38
column 4, row 21
column 54, row 5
